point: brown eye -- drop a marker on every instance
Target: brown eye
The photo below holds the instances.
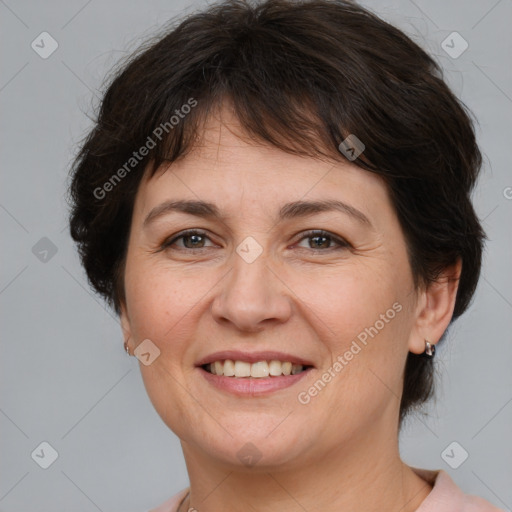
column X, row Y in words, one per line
column 192, row 239
column 322, row 240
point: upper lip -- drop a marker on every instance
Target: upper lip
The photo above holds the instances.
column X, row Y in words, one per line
column 253, row 357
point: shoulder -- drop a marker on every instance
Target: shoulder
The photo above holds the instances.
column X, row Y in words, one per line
column 446, row 496
column 171, row 505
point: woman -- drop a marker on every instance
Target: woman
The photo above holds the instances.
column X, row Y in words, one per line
column 276, row 201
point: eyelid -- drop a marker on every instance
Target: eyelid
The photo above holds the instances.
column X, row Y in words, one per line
column 338, row 240
column 187, row 232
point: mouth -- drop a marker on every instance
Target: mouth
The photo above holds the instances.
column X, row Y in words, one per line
column 258, row 370
column 253, row 374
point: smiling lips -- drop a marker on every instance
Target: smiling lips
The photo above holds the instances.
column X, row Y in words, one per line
column 258, row 365
column 247, row 374
column 249, row 387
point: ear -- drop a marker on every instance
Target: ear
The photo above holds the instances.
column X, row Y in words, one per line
column 434, row 308
column 125, row 323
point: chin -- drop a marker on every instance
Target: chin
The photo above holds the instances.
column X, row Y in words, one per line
column 254, row 450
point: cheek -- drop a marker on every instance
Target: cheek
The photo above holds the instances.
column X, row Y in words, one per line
column 161, row 305
column 343, row 302
column 362, row 318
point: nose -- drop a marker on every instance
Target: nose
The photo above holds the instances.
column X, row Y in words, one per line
column 252, row 296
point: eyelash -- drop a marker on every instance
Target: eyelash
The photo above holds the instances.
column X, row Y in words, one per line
column 342, row 244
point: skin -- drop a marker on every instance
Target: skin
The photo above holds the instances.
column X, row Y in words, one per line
column 339, row 451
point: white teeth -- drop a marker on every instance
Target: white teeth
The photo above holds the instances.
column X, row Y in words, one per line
column 242, row 369
column 219, row 368
column 258, row 370
column 286, row 368
column 229, row 368
column 274, row 368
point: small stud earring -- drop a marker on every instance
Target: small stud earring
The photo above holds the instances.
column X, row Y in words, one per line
column 127, row 348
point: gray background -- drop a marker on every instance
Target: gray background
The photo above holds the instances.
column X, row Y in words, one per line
column 65, row 378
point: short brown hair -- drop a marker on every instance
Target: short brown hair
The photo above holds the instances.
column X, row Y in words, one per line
column 302, row 76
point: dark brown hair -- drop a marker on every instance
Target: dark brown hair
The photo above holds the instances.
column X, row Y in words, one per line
column 302, row 76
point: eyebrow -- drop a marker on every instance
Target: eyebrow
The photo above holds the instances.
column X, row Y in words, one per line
column 296, row 209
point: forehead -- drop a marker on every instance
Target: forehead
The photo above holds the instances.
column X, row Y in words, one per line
column 226, row 167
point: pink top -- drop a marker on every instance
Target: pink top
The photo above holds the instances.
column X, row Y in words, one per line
column 444, row 497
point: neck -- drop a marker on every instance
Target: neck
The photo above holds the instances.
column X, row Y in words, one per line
column 368, row 475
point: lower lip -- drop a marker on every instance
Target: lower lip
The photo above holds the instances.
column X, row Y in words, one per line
column 250, row 386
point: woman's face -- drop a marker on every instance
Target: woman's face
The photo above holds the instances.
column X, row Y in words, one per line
column 255, row 281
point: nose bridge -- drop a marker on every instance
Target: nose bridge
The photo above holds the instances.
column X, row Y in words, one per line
column 251, row 292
